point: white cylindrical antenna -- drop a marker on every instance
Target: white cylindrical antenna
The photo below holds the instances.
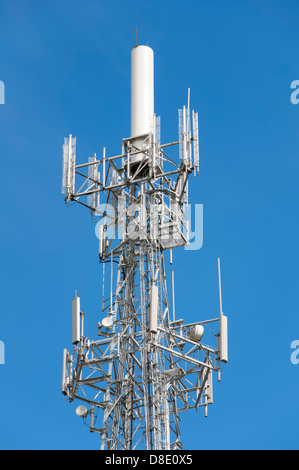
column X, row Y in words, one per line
column 111, row 282
column 142, row 95
column 69, row 162
column 219, row 282
column 209, row 387
column 184, row 134
column 223, row 339
column 82, row 324
column 101, row 236
column 153, row 314
column 92, row 418
column 223, row 325
column 173, row 299
column 65, row 377
column 104, row 167
column 208, row 391
column 154, row 143
column 103, row 289
column 76, row 319
column 142, row 90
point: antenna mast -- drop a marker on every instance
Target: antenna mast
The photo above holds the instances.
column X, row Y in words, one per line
column 146, row 366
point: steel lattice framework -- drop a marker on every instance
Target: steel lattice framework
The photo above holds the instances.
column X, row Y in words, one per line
column 146, row 367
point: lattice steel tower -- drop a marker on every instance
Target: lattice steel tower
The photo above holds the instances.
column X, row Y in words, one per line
column 146, row 366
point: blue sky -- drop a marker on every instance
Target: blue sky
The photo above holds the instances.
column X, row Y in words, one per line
column 66, row 69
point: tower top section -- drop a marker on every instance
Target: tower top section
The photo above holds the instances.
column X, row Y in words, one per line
column 145, row 188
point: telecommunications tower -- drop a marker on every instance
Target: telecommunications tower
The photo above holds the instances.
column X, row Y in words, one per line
column 147, row 365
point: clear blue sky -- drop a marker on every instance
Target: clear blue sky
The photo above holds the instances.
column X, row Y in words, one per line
column 66, row 69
